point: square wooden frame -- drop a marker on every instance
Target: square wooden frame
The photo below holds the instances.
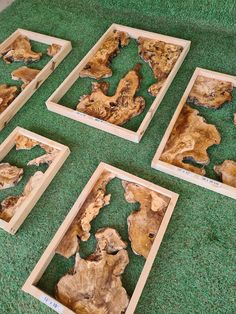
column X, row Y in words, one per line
column 24, row 209
column 189, row 176
column 53, row 105
column 28, row 91
column 30, row 284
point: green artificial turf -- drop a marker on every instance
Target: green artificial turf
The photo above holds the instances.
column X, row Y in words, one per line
column 194, row 271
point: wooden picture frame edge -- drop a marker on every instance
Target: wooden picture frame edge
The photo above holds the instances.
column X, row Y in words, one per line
column 189, row 176
column 48, row 254
column 28, row 91
column 134, row 136
column 16, row 221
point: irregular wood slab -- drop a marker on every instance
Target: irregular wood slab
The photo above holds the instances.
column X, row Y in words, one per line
column 227, row 172
column 20, row 50
column 210, row 93
column 53, row 50
column 117, row 109
column 7, row 95
column 80, row 227
column 189, row 141
column 144, row 223
column 94, row 285
column 98, row 65
column 23, row 142
column 161, row 57
column 11, row 204
column 9, row 175
column 24, row 74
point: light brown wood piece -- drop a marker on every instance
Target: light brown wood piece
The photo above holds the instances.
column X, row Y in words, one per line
column 24, row 74
column 20, row 50
column 189, row 141
column 7, row 95
column 117, row 109
column 9, row 175
column 95, row 285
column 227, row 172
column 53, row 50
column 161, row 57
column 143, row 224
column 210, row 93
column 98, row 66
column 80, row 228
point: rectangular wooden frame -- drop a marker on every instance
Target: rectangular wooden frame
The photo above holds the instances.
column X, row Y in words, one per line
column 208, row 183
column 13, row 225
column 28, row 91
column 53, row 105
column 30, row 284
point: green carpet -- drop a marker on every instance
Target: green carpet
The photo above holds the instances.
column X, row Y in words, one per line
column 194, row 271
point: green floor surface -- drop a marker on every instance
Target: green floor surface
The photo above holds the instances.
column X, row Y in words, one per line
column 194, row 271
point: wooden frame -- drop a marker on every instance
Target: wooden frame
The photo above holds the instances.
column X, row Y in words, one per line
column 53, row 105
column 24, row 209
column 28, row 91
column 208, row 183
column 30, row 284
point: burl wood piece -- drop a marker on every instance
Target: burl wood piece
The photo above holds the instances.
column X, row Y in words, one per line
column 144, row 223
column 189, row 141
column 7, row 95
column 80, row 227
column 20, row 50
column 10, row 205
column 227, row 172
column 210, row 93
column 161, row 57
column 98, row 66
column 117, row 109
column 9, row 175
column 94, row 285
column 53, row 50
column 24, row 74
column 23, row 142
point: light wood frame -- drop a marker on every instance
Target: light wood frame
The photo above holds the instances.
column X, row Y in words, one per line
column 31, row 282
column 189, row 176
column 28, row 91
column 53, row 101
column 24, row 209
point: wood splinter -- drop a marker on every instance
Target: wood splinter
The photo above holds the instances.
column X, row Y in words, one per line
column 53, row 50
